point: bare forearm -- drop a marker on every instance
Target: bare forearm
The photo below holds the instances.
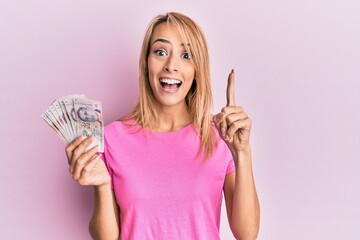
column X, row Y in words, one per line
column 104, row 223
column 245, row 208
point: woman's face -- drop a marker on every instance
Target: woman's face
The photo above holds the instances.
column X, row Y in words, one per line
column 171, row 72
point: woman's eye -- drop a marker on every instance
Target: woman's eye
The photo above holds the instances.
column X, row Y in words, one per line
column 186, row 55
column 160, row 52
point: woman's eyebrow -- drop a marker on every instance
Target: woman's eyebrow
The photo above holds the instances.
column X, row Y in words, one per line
column 168, row 42
column 161, row 40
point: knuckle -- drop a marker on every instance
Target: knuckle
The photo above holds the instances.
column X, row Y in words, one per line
column 229, row 119
column 68, row 150
column 83, row 143
column 237, row 124
column 234, row 117
column 87, row 168
column 75, row 177
column 70, row 147
column 80, row 163
column 77, row 152
column 233, row 126
column 82, row 182
column 223, row 125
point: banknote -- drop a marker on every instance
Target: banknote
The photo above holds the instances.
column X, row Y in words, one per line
column 89, row 120
column 74, row 115
column 68, row 104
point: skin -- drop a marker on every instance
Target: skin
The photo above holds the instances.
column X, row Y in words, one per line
column 242, row 204
column 87, row 168
column 168, row 59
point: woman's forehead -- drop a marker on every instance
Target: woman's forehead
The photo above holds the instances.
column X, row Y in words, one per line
column 166, row 32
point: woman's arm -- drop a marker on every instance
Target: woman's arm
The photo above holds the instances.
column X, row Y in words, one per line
column 87, row 168
column 241, row 199
column 242, row 203
column 105, row 223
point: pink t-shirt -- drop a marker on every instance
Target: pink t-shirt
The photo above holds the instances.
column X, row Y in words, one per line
column 162, row 189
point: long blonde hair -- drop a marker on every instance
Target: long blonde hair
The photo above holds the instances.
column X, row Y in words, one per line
column 199, row 98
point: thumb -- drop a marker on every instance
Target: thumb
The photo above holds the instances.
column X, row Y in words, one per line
column 218, row 118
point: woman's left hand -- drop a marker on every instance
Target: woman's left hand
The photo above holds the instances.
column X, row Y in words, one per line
column 232, row 122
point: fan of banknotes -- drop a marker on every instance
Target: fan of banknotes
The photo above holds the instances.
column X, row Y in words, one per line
column 75, row 115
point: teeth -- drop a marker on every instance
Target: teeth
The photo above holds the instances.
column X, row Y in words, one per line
column 170, row 81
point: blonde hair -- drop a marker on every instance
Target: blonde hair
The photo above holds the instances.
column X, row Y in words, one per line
column 199, row 97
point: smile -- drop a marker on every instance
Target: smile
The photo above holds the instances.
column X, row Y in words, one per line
column 170, row 84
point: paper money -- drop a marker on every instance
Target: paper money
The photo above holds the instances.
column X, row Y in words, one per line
column 75, row 115
column 89, row 120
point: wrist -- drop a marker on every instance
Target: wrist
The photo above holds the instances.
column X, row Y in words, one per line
column 243, row 149
column 103, row 187
column 243, row 154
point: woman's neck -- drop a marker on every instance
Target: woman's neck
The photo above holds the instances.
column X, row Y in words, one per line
column 171, row 118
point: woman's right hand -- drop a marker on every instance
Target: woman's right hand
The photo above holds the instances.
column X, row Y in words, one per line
column 87, row 168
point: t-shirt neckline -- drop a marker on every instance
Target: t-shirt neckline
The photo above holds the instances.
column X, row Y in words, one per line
column 166, row 136
column 172, row 135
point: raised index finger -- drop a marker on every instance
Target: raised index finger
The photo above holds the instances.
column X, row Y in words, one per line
column 230, row 95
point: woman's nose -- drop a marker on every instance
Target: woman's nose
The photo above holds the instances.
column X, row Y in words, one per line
column 171, row 64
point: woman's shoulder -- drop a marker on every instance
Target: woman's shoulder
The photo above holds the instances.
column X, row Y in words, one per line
column 117, row 133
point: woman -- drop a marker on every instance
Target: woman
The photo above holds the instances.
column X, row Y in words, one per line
column 166, row 163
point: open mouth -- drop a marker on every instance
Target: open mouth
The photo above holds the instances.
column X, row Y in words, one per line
column 170, row 84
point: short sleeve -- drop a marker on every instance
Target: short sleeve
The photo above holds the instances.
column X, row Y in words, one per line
column 230, row 167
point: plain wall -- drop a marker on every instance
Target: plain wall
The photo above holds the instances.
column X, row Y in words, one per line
column 297, row 67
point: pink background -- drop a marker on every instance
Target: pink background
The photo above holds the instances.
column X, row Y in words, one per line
column 298, row 76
